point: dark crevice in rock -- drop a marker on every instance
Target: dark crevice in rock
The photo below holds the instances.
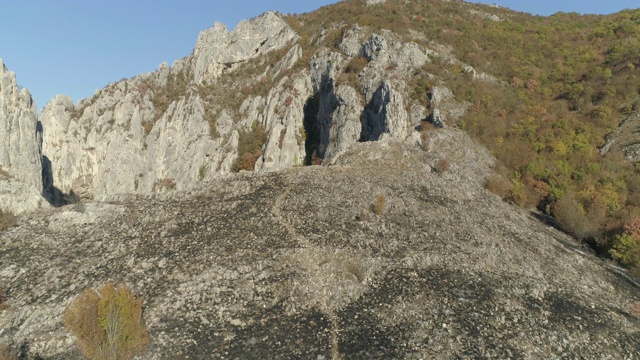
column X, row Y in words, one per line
column 51, row 193
column 374, row 116
column 311, row 128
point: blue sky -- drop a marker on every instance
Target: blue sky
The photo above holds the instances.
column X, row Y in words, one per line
column 77, row 46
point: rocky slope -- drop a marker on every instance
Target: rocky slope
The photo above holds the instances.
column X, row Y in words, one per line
column 20, row 149
column 179, row 125
column 297, row 264
column 625, row 138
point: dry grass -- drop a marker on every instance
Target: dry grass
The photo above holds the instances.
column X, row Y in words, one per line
column 363, row 216
column 442, row 166
column 6, row 353
column 4, row 297
column 634, row 309
column 425, row 139
column 498, row 185
column 380, row 206
column 7, row 220
column 107, row 323
column 4, row 173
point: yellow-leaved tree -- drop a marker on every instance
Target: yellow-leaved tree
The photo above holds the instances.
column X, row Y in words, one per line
column 107, row 323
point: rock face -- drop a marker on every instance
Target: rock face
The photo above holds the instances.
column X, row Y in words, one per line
column 218, row 50
column 107, row 152
column 175, row 127
column 20, row 144
column 445, row 108
column 625, row 138
column 301, row 263
column 159, row 131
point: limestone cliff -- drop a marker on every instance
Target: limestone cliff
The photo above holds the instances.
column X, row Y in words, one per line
column 177, row 126
column 20, row 144
column 158, row 131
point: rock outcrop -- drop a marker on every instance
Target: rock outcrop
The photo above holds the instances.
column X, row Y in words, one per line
column 625, row 138
column 154, row 133
column 20, row 147
column 218, row 50
column 175, row 127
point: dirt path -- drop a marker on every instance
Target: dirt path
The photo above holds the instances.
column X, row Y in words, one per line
column 311, row 268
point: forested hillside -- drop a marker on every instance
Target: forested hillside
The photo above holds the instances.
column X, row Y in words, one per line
column 567, row 81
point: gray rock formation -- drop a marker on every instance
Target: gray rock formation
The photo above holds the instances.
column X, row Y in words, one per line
column 345, row 129
column 445, row 107
column 106, row 151
column 625, row 138
column 218, row 50
column 20, row 154
column 175, row 127
column 153, row 133
column 283, row 117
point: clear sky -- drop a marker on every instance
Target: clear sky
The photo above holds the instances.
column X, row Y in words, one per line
column 77, row 46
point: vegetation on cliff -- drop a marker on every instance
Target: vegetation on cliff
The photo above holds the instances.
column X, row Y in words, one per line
column 565, row 82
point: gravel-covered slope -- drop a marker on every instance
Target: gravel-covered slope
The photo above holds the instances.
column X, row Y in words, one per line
column 297, row 264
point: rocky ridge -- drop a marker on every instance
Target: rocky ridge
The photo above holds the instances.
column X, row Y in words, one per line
column 20, row 152
column 299, row 264
column 173, row 128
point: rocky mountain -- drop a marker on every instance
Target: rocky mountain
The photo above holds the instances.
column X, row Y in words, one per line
column 308, row 263
column 189, row 185
column 20, row 149
column 176, row 126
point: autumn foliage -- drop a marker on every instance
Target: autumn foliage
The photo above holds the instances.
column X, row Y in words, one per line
column 107, row 323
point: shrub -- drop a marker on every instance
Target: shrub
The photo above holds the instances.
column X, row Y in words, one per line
column 246, row 161
column 4, row 173
column 498, row 185
column 166, row 184
column 4, row 296
column 442, row 166
column 107, row 323
column 249, row 148
column 571, row 217
column 6, row 353
column 211, row 118
column 634, row 309
column 625, row 250
column 356, row 65
column 633, row 229
column 425, row 128
column 148, row 126
column 380, row 205
column 202, row 172
column 6, row 220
